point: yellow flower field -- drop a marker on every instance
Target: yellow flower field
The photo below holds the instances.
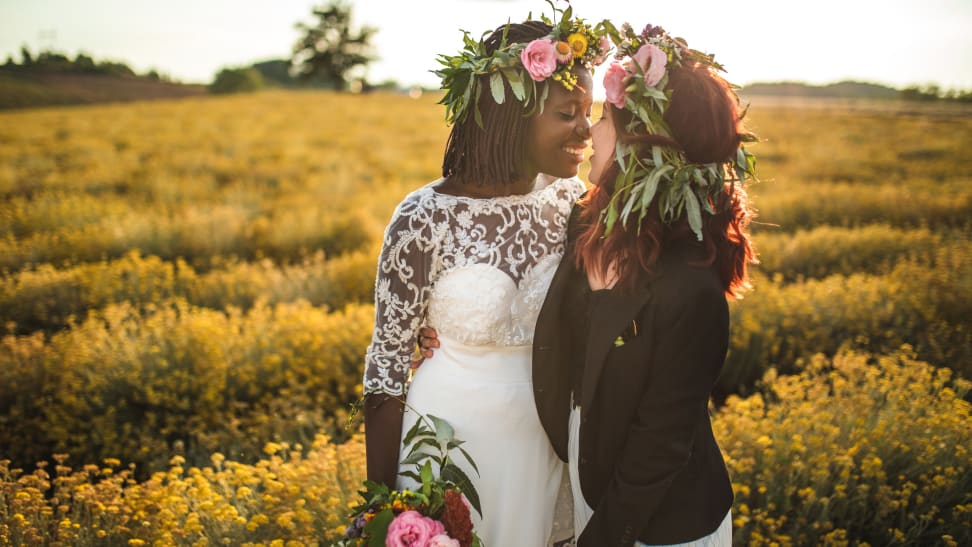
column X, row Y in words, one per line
column 186, row 297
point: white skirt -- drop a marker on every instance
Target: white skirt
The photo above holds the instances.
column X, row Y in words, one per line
column 486, row 394
column 722, row 537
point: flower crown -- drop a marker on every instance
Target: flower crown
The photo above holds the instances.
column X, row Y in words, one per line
column 638, row 85
column 523, row 65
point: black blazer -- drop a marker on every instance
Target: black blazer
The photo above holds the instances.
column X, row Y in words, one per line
column 649, row 463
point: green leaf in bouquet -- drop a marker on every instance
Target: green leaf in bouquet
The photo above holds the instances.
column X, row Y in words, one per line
column 373, row 492
column 414, row 458
column 411, row 475
column 469, row 459
column 457, row 476
column 431, row 442
column 426, row 473
column 443, row 431
column 417, row 443
column 413, row 432
column 377, row 529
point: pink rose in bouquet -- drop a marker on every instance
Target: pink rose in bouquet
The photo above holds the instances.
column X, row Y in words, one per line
column 411, row 529
column 435, row 514
column 443, row 540
column 615, row 80
column 539, row 59
column 652, row 61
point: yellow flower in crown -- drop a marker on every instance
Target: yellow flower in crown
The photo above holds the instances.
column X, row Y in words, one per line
column 578, row 44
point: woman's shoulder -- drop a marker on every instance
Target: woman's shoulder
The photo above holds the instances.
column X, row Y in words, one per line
column 569, row 188
column 415, row 210
column 421, row 196
column 683, row 277
column 424, row 198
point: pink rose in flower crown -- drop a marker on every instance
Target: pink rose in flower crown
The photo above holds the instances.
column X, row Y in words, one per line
column 615, row 80
column 411, row 529
column 539, row 59
column 652, row 61
column 442, row 540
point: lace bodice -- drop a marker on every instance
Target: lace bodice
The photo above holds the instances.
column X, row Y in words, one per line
column 476, row 270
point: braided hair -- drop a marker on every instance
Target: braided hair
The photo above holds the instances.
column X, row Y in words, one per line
column 495, row 153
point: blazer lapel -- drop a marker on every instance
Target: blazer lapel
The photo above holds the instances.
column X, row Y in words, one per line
column 611, row 316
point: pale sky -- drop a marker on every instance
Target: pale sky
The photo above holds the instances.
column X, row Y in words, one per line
column 892, row 42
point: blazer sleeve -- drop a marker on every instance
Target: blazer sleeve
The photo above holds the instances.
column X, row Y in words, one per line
column 689, row 350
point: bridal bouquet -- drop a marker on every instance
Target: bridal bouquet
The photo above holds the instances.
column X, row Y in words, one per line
column 434, row 514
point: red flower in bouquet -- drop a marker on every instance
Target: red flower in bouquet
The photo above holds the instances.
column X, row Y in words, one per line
column 457, row 519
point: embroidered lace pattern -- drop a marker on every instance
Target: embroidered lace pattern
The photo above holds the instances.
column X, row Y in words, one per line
column 475, row 269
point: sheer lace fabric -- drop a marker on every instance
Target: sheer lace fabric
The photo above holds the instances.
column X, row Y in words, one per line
column 475, row 269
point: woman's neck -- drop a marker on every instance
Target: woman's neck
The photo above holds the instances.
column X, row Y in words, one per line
column 484, row 191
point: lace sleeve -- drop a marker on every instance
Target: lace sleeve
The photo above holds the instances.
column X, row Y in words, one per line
column 401, row 297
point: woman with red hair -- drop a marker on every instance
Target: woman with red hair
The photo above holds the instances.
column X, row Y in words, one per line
column 635, row 327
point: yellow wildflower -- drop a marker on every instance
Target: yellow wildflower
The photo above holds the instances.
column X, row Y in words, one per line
column 578, row 44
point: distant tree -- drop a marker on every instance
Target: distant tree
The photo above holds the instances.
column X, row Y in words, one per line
column 53, row 59
column 84, row 63
column 275, row 72
column 237, row 80
column 26, row 58
column 115, row 68
column 915, row 93
column 330, row 51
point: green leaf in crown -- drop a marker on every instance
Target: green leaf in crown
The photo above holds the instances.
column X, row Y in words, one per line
column 463, row 75
column 663, row 177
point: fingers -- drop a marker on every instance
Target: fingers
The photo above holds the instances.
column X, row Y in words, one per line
column 428, row 338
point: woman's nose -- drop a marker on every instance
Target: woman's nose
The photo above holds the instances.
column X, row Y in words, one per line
column 584, row 128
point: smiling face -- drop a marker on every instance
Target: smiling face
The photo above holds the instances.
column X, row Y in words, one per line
column 604, row 138
column 557, row 138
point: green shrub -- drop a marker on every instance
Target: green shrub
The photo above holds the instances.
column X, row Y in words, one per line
column 237, row 80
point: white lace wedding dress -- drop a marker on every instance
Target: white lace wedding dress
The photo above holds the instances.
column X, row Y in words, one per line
column 476, row 270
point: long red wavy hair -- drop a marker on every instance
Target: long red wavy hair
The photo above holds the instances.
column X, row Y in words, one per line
column 706, row 125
